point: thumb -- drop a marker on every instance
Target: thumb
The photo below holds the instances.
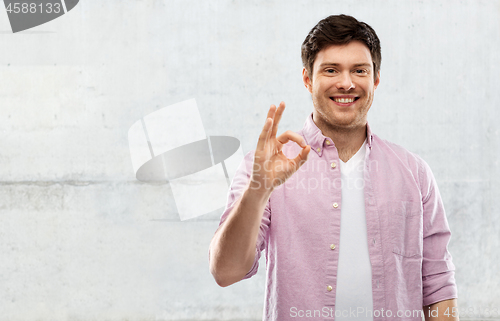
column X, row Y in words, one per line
column 302, row 157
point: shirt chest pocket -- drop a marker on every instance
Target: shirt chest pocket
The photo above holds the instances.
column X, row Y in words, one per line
column 405, row 229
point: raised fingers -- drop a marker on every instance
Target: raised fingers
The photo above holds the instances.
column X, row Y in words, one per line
column 266, row 131
column 271, row 112
column 264, row 134
column 277, row 118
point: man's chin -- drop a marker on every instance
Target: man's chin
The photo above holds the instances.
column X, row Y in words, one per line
column 346, row 123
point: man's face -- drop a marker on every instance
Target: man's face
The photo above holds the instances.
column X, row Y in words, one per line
column 342, row 85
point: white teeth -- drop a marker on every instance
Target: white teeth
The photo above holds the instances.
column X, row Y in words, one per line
column 344, row 100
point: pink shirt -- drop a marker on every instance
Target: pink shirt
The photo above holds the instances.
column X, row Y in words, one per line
column 407, row 233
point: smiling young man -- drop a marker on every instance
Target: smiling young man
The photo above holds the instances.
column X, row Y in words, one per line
column 353, row 226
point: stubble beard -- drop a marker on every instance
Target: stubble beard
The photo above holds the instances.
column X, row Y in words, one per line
column 328, row 118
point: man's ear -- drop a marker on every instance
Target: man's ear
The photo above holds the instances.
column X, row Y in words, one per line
column 377, row 81
column 307, row 81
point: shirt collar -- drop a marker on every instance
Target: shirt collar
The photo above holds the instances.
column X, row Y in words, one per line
column 317, row 141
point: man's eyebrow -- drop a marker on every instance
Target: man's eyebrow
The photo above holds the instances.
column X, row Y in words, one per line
column 365, row 64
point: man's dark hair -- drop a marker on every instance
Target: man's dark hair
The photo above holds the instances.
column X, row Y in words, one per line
column 339, row 30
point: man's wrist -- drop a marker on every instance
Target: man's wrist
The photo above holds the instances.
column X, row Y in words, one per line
column 257, row 192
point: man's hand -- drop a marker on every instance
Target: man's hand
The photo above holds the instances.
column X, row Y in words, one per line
column 232, row 250
column 442, row 311
column 271, row 167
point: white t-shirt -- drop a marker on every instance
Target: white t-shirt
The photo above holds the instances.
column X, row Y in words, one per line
column 354, row 275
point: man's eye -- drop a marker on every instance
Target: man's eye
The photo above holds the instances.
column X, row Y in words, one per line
column 360, row 71
column 330, row 71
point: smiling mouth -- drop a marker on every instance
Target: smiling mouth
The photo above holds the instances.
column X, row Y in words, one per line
column 344, row 100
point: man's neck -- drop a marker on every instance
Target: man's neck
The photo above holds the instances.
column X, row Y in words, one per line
column 346, row 140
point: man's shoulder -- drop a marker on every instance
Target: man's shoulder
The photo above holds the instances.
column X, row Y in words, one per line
column 393, row 150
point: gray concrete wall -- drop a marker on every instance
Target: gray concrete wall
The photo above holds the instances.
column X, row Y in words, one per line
column 81, row 239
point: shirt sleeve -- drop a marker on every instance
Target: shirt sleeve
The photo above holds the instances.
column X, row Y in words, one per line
column 238, row 186
column 438, row 271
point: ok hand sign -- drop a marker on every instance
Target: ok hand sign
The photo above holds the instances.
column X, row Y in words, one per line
column 271, row 167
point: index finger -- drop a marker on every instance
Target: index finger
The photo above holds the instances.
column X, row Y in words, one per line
column 291, row 136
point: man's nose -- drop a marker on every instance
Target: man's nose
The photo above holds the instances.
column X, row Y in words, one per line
column 344, row 81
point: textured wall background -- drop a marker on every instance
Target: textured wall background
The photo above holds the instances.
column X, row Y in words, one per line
column 81, row 239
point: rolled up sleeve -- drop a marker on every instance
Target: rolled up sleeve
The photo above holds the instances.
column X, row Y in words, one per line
column 238, row 186
column 438, row 271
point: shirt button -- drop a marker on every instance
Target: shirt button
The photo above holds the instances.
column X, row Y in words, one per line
column 335, row 205
column 333, row 165
column 318, row 149
column 327, row 142
column 332, row 246
column 329, row 288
